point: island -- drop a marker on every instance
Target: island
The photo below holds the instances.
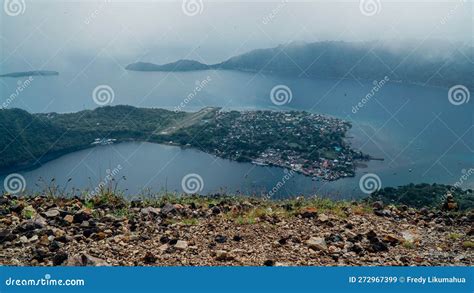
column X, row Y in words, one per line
column 30, row 73
column 333, row 59
column 180, row 65
column 308, row 143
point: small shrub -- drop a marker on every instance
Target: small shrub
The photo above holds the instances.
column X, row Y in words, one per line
column 454, row 236
column 408, row 244
column 189, row 222
column 468, row 244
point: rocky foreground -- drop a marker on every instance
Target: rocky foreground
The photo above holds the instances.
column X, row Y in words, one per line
column 222, row 231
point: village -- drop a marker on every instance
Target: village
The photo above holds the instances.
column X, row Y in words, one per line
column 307, row 143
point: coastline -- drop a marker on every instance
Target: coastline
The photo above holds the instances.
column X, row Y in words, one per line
column 325, row 77
column 359, row 164
column 323, row 153
column 28, row 166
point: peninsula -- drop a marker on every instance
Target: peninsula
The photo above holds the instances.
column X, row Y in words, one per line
column 311, row 144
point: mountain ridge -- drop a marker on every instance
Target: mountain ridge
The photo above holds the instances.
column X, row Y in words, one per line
column 180, row 65
column 342, row 60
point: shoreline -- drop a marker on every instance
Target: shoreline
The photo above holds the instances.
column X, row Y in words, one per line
column 310, row 78
column 57, row 155
column 359, row 164
column 334, row 162
column 46, row 158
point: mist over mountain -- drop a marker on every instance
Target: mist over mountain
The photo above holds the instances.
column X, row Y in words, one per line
column 433, row 63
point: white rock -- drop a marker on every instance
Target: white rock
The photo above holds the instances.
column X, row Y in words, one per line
column 181, row 244
column 52, row 213
column 323, row 218
column 317, row 243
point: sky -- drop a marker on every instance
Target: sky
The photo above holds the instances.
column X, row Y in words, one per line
column 45, row 33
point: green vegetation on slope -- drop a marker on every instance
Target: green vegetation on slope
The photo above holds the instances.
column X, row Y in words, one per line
column 31, row 138
column 424, row 195
column 26, row 139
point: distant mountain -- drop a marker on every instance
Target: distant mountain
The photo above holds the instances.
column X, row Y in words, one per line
column 30, row 73
column 408, row 63
column 180, row 65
